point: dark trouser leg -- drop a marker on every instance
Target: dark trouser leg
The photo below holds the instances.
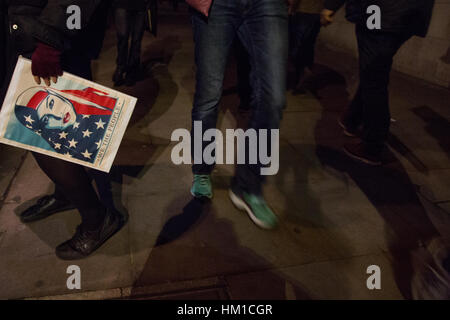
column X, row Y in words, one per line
column 138, row 27
column 59, row 194
column 72, row 180
column 104, row 187
column 121, row 17
column 304, row 29
column 264, row 33
column 213, row 39
column 353, row 116
column 77, row 64
column 376, row 52
column 243, row 75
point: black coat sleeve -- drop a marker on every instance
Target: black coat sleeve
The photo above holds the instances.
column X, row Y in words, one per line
column 50, row 26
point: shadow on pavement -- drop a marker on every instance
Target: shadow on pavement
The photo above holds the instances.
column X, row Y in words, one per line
column 436, row 125
column 178, row 255
column 388, row 188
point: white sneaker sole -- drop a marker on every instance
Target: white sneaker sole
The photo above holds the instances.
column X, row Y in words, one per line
column 241, row 205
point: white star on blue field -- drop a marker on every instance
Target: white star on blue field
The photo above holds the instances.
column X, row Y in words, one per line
column 80, row 141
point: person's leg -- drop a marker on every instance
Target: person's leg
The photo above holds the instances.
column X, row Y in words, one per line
column 264, row 32
column 376, row 52
column 305, row 28
column 98, row 222
column 137, row 33
column 213, row 37
column 312, row 34
column 298, row 28
column 352, row 117
column 265, row 35
column 104, row 187
column 121, row 19
column 71, row 180
column 77, row 63
column 243, row 76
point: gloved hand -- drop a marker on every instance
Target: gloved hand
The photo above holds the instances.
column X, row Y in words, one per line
column 46, row 64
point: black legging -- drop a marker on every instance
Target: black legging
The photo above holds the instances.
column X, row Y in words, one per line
column 71, row 180
column 129, row 22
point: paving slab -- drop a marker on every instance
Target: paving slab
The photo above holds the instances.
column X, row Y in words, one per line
column 10, row 161
column 29, row 265
column 337, row 279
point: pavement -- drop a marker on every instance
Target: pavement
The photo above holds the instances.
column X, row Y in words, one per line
column 337, row 217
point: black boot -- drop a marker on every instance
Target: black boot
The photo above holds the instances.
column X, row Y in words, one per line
column 85, row 242
column 45, row 207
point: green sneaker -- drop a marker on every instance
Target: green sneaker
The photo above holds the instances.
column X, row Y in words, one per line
column 201, row 187
column 256, row 208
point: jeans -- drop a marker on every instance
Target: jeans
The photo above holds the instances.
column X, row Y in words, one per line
column 370, row 106
column 262, row 27
column 129, row 22
column 243, row 74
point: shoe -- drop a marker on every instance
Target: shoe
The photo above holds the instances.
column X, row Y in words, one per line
column 85, row 242
column 364, row 153
column 118, row 77
column 349, row 131
column 201, row 187
column 256, row 208
column 45, row 206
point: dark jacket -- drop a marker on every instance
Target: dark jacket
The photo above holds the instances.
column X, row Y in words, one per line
column 400, row 16
column 134, row 5
column 45, row 21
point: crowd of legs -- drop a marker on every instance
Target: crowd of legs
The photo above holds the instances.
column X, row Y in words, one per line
column 264, row 35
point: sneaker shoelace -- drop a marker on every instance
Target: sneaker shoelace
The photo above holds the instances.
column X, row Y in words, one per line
column 202, row 180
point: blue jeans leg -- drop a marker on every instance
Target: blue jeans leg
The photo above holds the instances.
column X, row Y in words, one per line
column 213, row 37
column 264, row 33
